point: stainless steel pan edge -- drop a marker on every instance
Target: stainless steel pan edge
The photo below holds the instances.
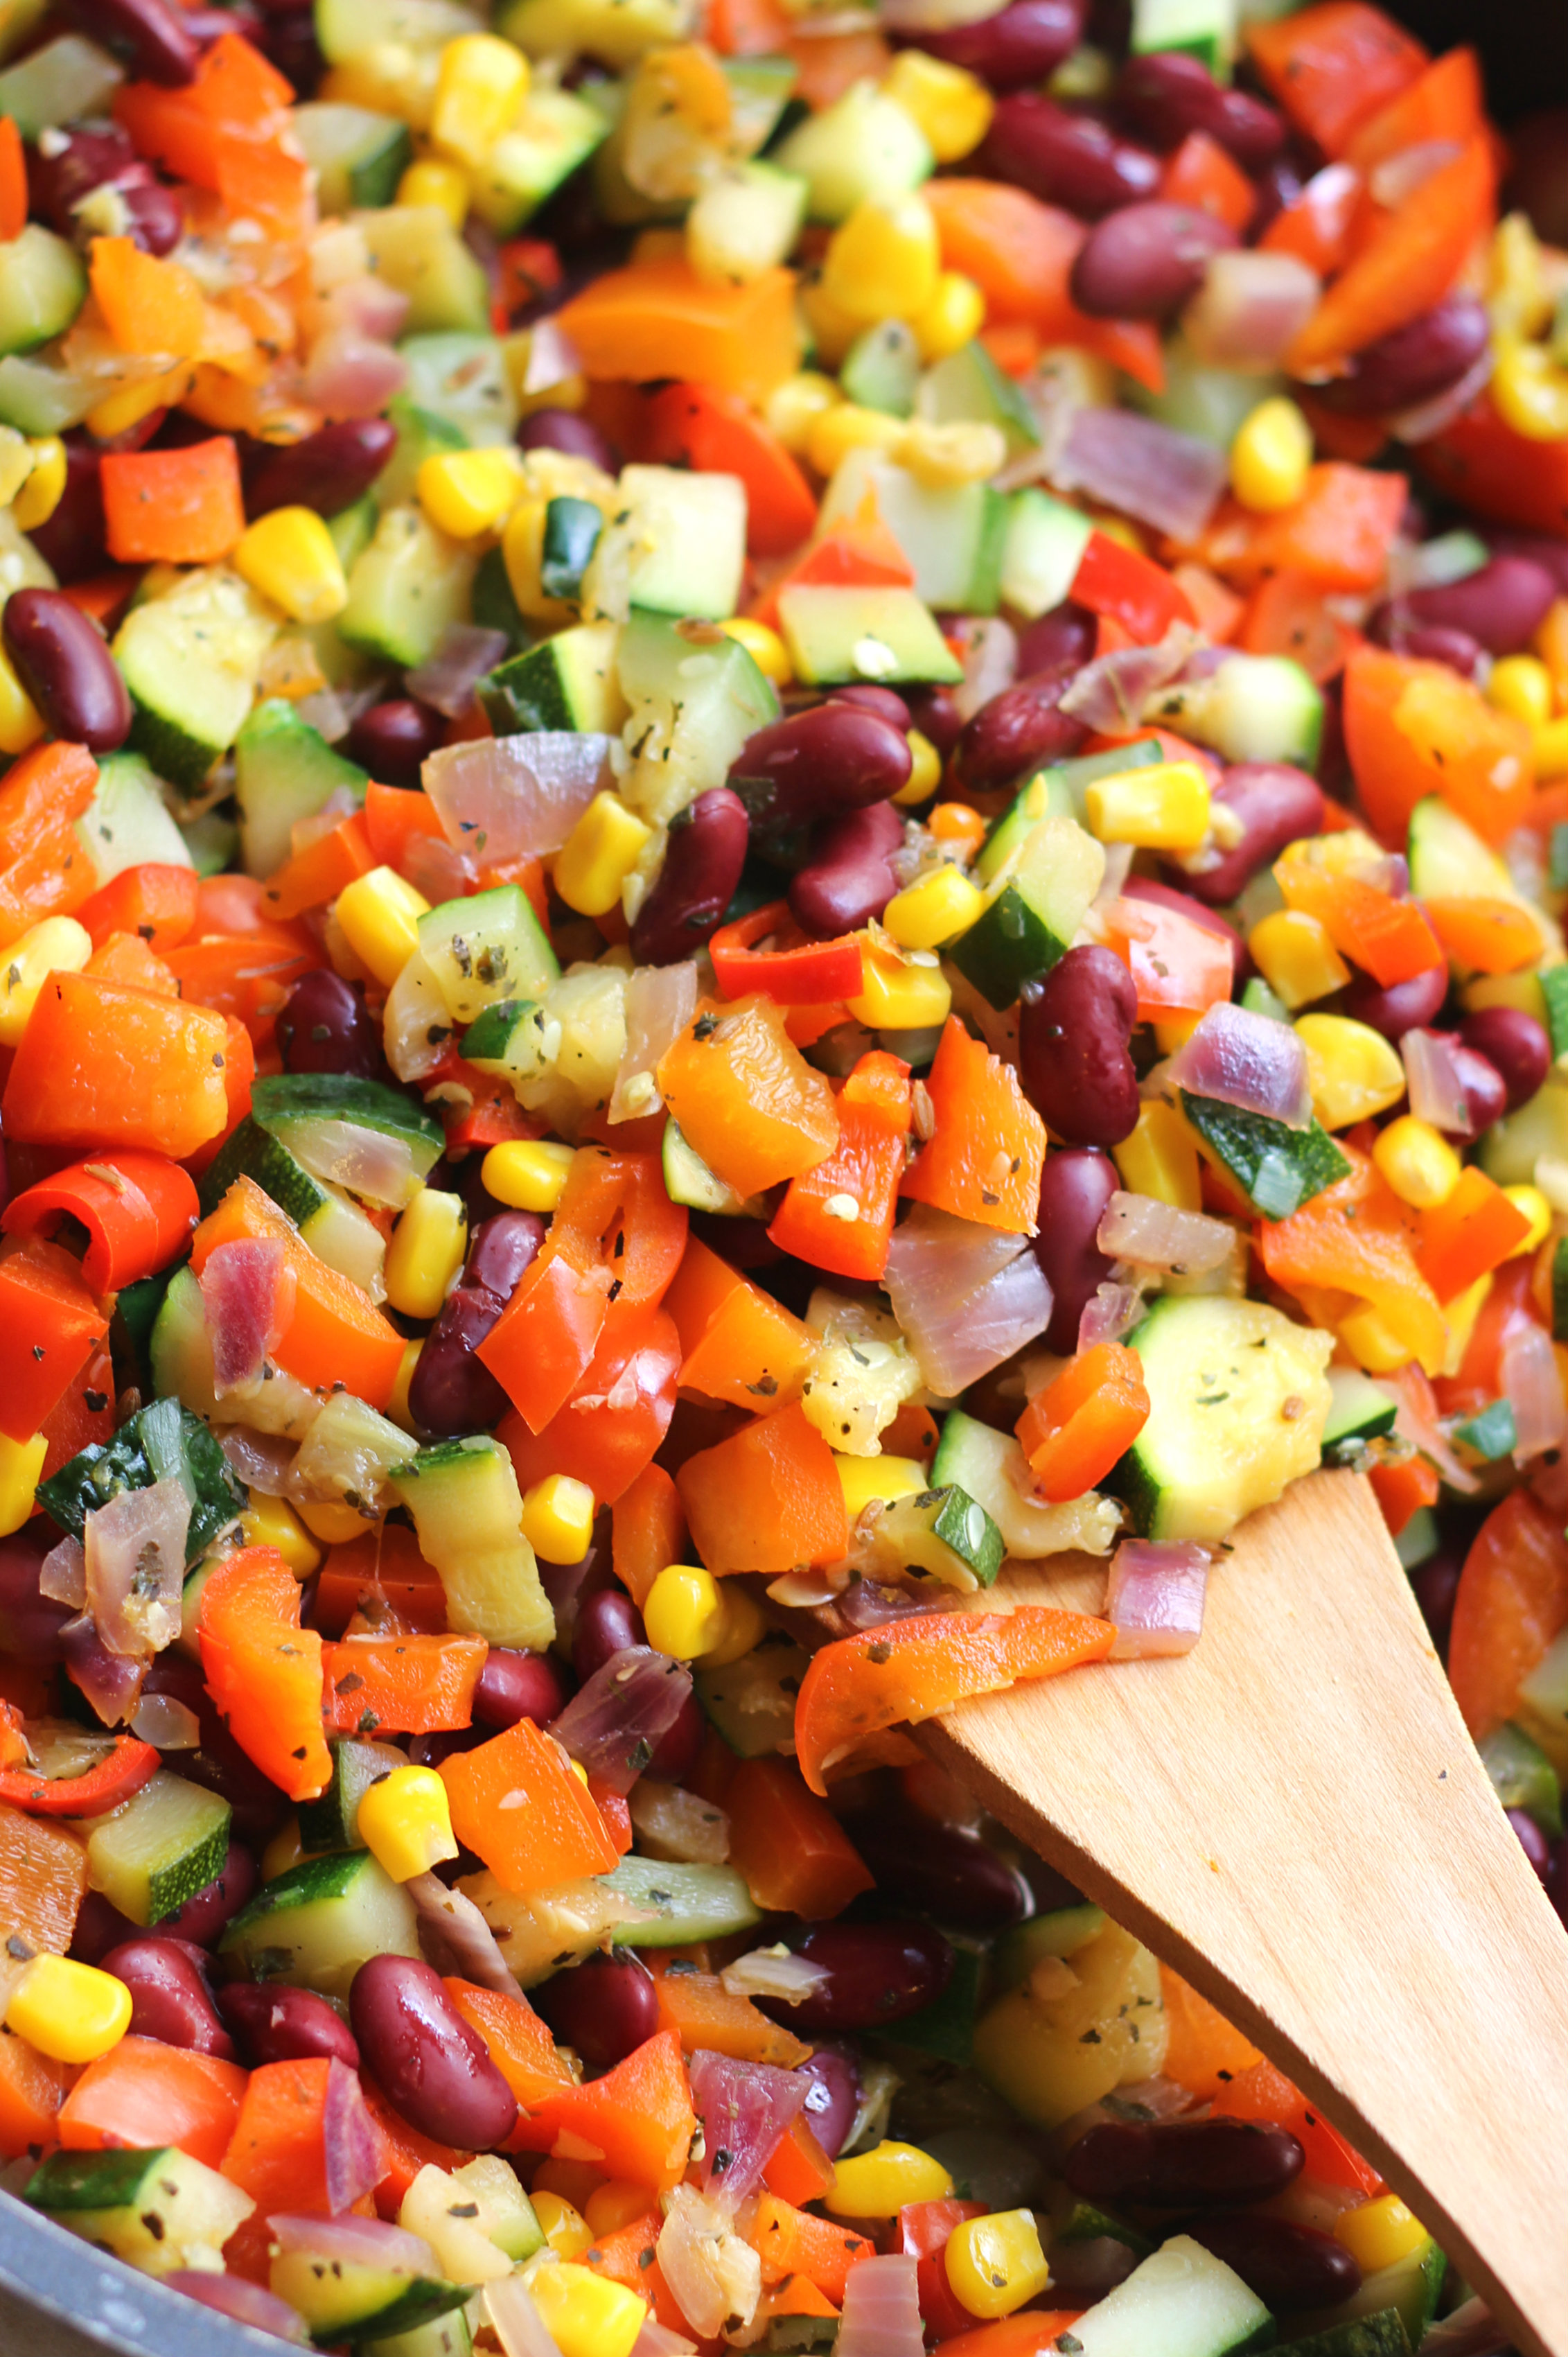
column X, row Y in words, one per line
column 60, row 2299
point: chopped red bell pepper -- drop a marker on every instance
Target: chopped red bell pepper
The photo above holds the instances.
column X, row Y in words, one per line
column 795, row 972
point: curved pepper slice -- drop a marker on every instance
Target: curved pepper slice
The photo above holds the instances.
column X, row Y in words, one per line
column 795, row 972
column 123, row 1770
column 138, row 1210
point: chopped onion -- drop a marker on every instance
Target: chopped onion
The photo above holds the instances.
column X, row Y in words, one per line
column 355, row 2241
column 989, row 664
column 657, row 2340
column 433, row 868
column 674, row 1823
column 966, row 1296
column 327, row 713
column 1244, row 1059
column 776, row 1973
column 714, row 2278
column 503, row 798
column 351, row 375
column 881, row 2315
column 1414, row 1422
column 371, row 1163
column 1153, row 1234
column 247, row 1291
column 455, row 1938
column 1156, row 1599
column 246, row 2302
column 111, row 1682
column 613, row 1722
column 515, row 2320
column 745, row 2108
column 1111, row 1311
column 1110, row 692
column 346, row 1457
column 1533, row 1389
column 1471, row 2330
column 354, row 2150
column 1249, row 310
column 62, row 1575
column 446, row 681
column 1147, row 471
column 135, row 1568
column 369, row 303
column 868, row 1604
column 660, row 1000
column 1434, row 1079
column 553, row 358
column 167, row 1722
column 262, row 1459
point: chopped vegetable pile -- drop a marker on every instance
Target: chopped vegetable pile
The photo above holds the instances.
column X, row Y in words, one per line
column 784, row 812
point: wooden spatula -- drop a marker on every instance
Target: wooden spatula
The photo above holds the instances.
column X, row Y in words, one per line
column 1293, row 1817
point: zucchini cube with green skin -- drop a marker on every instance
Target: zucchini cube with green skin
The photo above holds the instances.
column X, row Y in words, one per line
column 991, row 1467
column 348, row 1131
column 421, row 434
column 331, row 1821
column 1043, row 550
column 1410, row 2290
column 467, row 1511
column 952, row 533
column 1056, row 792
column 407, row 589
column 284, row 770
column 127, row 822
column 681, row 1904
column 487, row 948
column 359, row 2300
column 684, row 536
column 162, row 1442
column 1060, row 1932
column 1382, row 2335
column 541, row 1931
column 190, row 661
column 882, row 369
column 1180, row 2300
column 42, row 287
column 161, row 2211
column 1205, row 29
column 462, row 379
column 969, row 387
column 572, row 529
column 752, row 1701
column 416, row 249
column 1036, row 907
column 336, row 1229
column 1523, row 1777
column 180, row 1362
column 316, row 1925
column 865, row 145
column 555, row 131
column 1278, row 1170
column 838, row 637
column 944, row 1533
column 163, row 1845
column 694, row 696
column 499, row 1041
column 567, row 682
column 1360, row 1411
column 358, row 155
column 1085, row 2222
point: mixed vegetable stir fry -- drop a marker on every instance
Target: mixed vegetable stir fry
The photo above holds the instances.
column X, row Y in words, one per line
column 785, row 811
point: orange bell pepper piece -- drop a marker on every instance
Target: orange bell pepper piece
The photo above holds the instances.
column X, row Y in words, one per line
column 264, row 1671
column 336, row 1334
column 745, row 1096
column 607, row 1430
column 1084, row 1421
column 1474, row 1230
column 520, row 2046
column 43, row 1877
column 864, row 1171
column 631, row 2257
column 638, row 2117
column 49, row 1326
column 1205, row 2053
column 102, row 1065
column 402, row 1685
column 1265, row 2094
column 985, row 1160
column 155, row 901
column 1408, row 264
column 278, row 2152
column 1511, row 1605
column 1417, row 728
column 516, row 1803
column 1335, row 538
column 705, row 2015
column 1401, row 1491
column 126, row 957
column 32, row 2089
column 792, row 2242
column 1445, row 102
column 1486, row 936
column 1021, row 252
column 912, row 1669
column 737, row 1343
column 1356, row 1238
column 1389, row 938
column 1285, row 615
column 148, row 305
column 144, row 2093
column 1316, row 226
column 768, row 1498
column 1202, row 175
column 800, row 2170
column 172, row 506
column 632, row 322
column 319, row 872
column 795, row 1856
column 648, row 1530
column 1331, row 67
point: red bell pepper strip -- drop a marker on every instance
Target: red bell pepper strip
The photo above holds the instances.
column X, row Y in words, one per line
column 922, row 2231
column 138, row 1210
column 1408, row 264
column 1331, row 67
column 795, row 972
column 615, row 1419
column 124, row 1769
column 839, row 1216
column 49, row 1326
column 1129, row 588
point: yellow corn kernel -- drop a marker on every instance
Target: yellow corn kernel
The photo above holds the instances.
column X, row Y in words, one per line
column 21, row 1470
column 1160, row 1159
column 862, row 1479
column 742, row 1629
column 1353, row 1070
column 1379, row 2234
column 1522, row 685
column 884, row 262
column 72, row 2012
column 951, row 105
column 1161, row 809
column 1551, row 749
column 41, row 493
column 1417, row 1161
column 426, row 1252
column 565, row 2230
column 332, row 1523
column 467, row 493
column 1293, row 952
column 406, row 1822
column 558, row 1518
column 831, row 327
column 1372, row 1344
column 120, row 411
column 272, row 1522
column 289, row 556
column 764, row 647
column 877, row 2184
column 59, row 945
column 397, row 1408
column 379, row 916
column 1517, row 298
column 584, row 2313
column 19, row 724
column 994, row 2265
column 849, row 428
column 1174, row 1031
column 954, row 316
column 1537, row 1211
column 1529, row 392
column 433, row 181
column 1460, row 1316
column 1270, row 457
column 617, row 2203
column 925, row 771
column 527, row 1174
column 522, row 554
column 794, row 407
column 480, row 84
column 896, row 996
column 599, row 854
column 684, row 1611
column 938, row 908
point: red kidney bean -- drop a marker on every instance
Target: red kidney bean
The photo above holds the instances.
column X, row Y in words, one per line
column 943, row 1871
column 1279, row 185
column 1551, row 554
column 1502, row 605
column 675, row 1754
column 847, row 881
column 563, row 429
column 704, row 855
column 203, row 1916
column 1390, row 625
column 63, row 660
column 431, row 2066
column 884, row 701
column 149, row 36
column 1531, row 1840
column 71, row 542
column 1021, row 44
column 287, row 39
column 30, row 1623
column 168, row 1996
column 325, row 1026
column 1143, row 260
column 833, row 2094
column 1276, row 804
column 1065, row 159
column 1413, row 364
column 1167, row 896
column 1289, row 2267
column 604, row 2008
column 1074, row 1028
column 394, row 740
column 287, row 2025
column 1183, row 2164
column 1066, row 634
column 92, row 156
column 514, row 1685
column 1486, row 1094
column 819, row 763
column 1436, row 1585
column 1018, row 730
column 328, row 471
column 1557, row 1879
column 1084, row 2270
column 933, row 711
column 1165, row 96
column 1514, row 1044
column 155, row 217
column 1075, row 1187
column 452, row 1391
column 502, row 1251
column 99, row 1928
column 1402, row 1006
column 878, row 1973
column 608, row 1623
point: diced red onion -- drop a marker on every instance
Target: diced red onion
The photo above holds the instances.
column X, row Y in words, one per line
column 247, row 1291
column 989, row 664
column 1110, row 693
column 713, row 2274
column 356, row 2241
column 369, row 304
column 657, row 2340
column 776, row 1973
column 433, row 868
column 262, row 1459
column 1398, row 175
column 164, row 1720
column 446, row 681
column 1111, row 1311
column 350, row 374
column 745, row 2108
column 1249, row 308
column 1533, row 1389
column 966, row 1296
column 62, row 1575
column 455, row 1938
column 110, row 1682
column 371, row 1163
column 1156, row 1599
column 326, row 711
column 354, row 2151
column 503, row 798
column 613, row 1723
column 1145, row 470
column 1140, row 1228
column 868, row 1604
column 881, row 2315
column 1413, row 1422
column 1433, row 1077
column 135, row 1570
column 660, row 1000
column 246, row 2302
column 1470, row 2331
column 1244, row 1059
column 1432, row 416
column 553, row 357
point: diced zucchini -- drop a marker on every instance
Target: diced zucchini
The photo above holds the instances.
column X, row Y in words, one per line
column 461, row 377
column 1448, row 860
column 494, row 606
column 127, row 822
column 284, row 770
column 1060, row 1931
column 351, row 1133
column 1411, row 2288
column 693, row 698
column 1278, row 1168
column 344, row 29
column 335, row 1228
column 407, row 589
column 63, row 82
column 567, row 682
column 968, row 386
column 1035, row 907
column 357, row 2300
column 440, row 2336
column 161, row 2211
column 1056, row 792
column 162, row 1442
column 1181, row 2301
column 746, row 221
column 1382, row 2335
column 879, row 636
column 1252, row 708
column 316, row 1925
column 1052, row 2046
column 1359, row 1411
column 752, row 1701
column 683, row 538
column 416, row 249
column 1043, row 550
column 1509, row 1149
column 556, row 133
column 21, row 566
column 572, row 529
column 882, row 369
column 191, row 659
column 865, row 145
column 684, row 1903
column 468, row 1510
column 991, row 1465
column 179, row 1354
column 1205, row 29
column 1523, row 1777
column 953, row 535
column 38, row 396
column 614, row 31
column 1085, row 2222
column 688, row 1180
column 1237, row 1399
column 541, row 1931
column 358, row 155
column 331, row 1821
column 167, row 1842
column 478, row 2220
column 944, row 1533
column 489, row 947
